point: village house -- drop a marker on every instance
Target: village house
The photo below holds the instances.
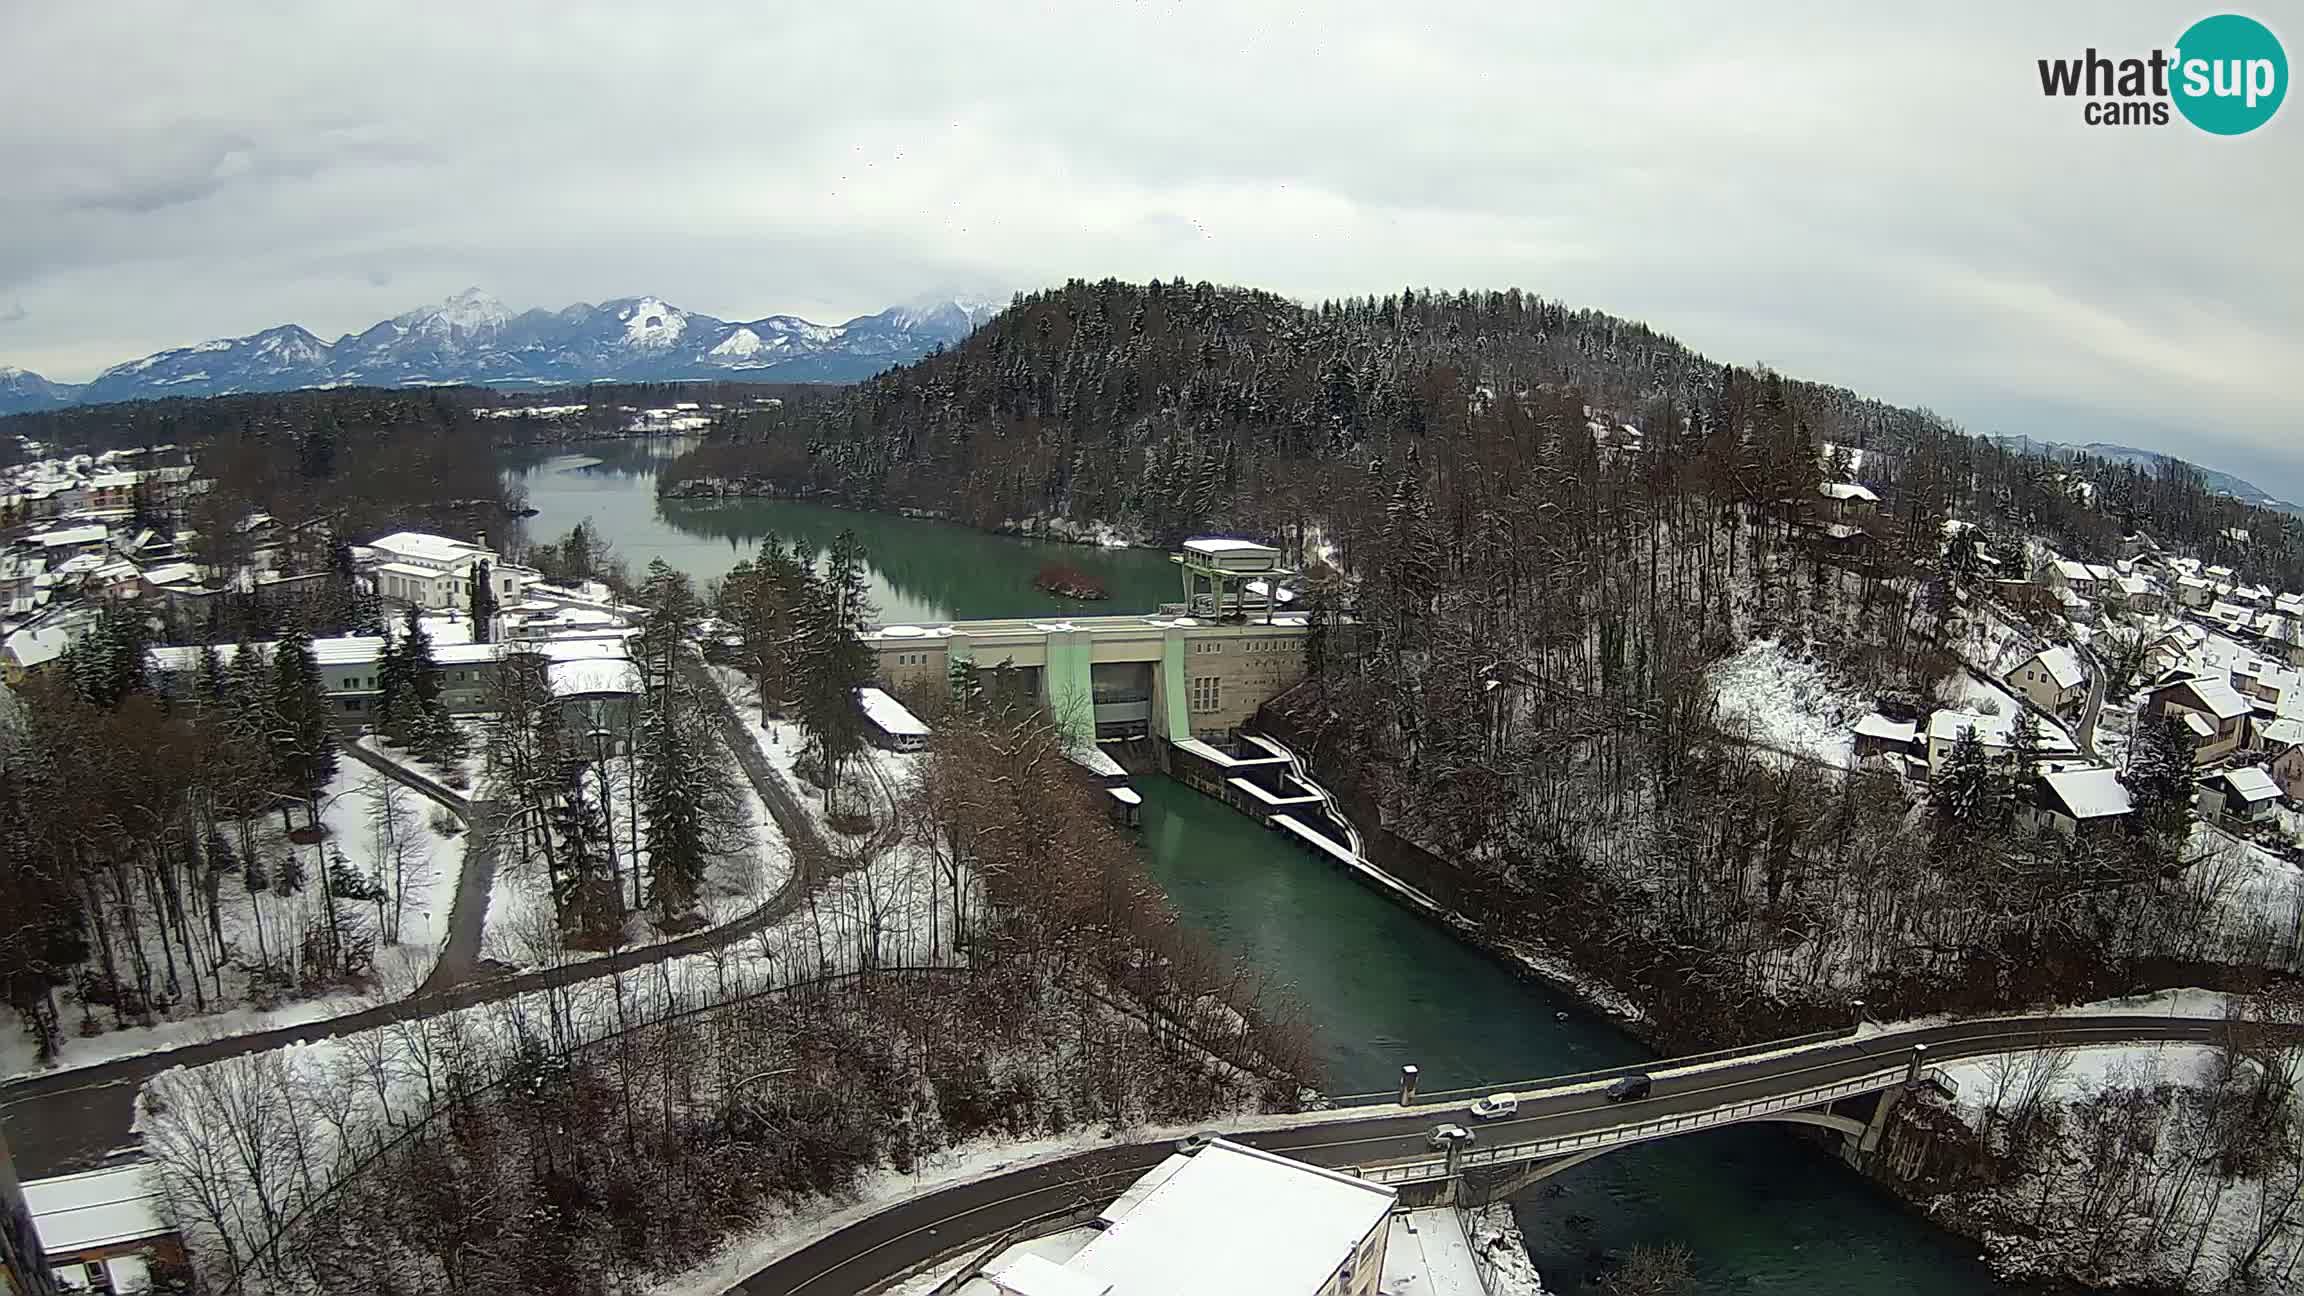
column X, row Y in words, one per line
column 2244, row 795
column 1848, row 502
column 2282, row 742
column 2212, row 711
column 2077, row 802
column 2193, row 592
column 104, row 1230
column 1994, row 732
column 2052, row 680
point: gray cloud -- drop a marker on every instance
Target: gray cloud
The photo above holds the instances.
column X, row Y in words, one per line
column 1876, row 199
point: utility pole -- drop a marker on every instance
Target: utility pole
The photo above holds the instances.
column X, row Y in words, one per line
column 23, row 1266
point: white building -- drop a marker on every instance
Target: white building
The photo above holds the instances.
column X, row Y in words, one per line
column 2078, row 800
column 436, row 572
column 2052, row 680
column 1226, row 1220
column 1945, row 726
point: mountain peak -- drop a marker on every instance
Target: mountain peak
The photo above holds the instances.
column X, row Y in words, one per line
column 470, row 311
column 471, row 337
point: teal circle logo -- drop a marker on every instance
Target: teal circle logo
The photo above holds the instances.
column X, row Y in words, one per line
column 2229, row 75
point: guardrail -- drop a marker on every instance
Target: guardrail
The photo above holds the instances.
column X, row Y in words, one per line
column 1657, row 1066
column 1639, row 1132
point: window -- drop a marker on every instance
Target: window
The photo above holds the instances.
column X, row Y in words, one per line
column 1207, row 692
column 351, row 704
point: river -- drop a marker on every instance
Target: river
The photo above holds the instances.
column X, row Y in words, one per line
column 1762, row 1210
column 922, row 571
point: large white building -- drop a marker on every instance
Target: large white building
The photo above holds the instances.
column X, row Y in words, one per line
column 1226, row 1220
column 436, row 572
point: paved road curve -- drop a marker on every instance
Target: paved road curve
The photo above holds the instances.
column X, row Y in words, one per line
column 61, row 1121
column 874, row 1250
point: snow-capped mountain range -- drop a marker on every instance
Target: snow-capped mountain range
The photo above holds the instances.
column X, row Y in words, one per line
column 473, row 338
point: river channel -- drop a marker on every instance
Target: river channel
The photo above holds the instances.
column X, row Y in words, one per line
column 1762, row 1210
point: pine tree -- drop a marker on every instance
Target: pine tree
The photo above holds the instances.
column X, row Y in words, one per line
column 1970, row 796
column 483, row 602
column 689, row 807
column 2024, row 756
column 2160, row 772
column 302, row 739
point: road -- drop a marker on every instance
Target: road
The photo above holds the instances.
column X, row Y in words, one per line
column 459, row 959
column 2085, row 733
column 60, row 1121
column 876, row 1249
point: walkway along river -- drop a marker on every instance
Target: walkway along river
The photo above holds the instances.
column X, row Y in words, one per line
column 1763, row 1210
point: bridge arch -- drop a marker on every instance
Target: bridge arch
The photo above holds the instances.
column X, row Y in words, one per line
column 1526, row 1173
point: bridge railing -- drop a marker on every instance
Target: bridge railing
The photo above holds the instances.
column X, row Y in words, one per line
column 1634, row 1132
column 1656, row 1067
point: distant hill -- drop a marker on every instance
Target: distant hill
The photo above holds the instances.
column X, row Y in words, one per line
column 473, row 338
column 2239, row 488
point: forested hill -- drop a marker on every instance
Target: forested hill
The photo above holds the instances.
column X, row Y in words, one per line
column 1169, row 407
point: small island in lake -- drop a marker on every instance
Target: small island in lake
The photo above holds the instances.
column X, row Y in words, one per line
column 1067, row 581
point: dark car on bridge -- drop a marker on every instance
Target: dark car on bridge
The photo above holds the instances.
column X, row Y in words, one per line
column 1631, row 1088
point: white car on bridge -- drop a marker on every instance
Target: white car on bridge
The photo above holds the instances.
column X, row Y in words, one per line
column 1496, row 1106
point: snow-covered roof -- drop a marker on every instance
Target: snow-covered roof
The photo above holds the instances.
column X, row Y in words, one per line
column 1235, row 1221
column 1846, row 491
column 465, row 654
column 892, row 716
column 2088, row 793
column 2283, row 732
column 590, row 678
column 1876, row 725
column 2200, row 728
column 427, row 548
column 2251, row 783
column 1126, row 796
column 33, row 647
column 409, row 569
column 1945, row 726
column 96, row 1208
column 2063, row 666
column 2071, row 570
column 78, row 535
column 1032, row 1275
column 2218, row 696
column 1220, row 544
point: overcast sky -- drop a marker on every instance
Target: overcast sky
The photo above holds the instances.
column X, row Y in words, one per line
column 1879, row 200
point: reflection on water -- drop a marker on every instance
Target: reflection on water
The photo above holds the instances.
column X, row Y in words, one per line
column 921, row 571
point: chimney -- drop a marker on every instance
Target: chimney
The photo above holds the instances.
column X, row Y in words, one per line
column 481, row 538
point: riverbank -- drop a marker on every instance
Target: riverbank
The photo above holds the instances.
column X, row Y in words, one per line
column 1991, row 1197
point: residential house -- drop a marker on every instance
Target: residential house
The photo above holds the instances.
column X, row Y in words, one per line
column 2075, row 802
column 2052, row 680
column 2282, row 742
column 103, row 1230
column 1877, row 735
column 1848, row 502
column 2245, row 795
column 1994, row 732
column 2211, row 710
column 2193, row 592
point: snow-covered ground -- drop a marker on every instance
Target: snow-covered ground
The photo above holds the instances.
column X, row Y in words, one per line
column 522, row 929
column 266, row 926
column 876, row 780
column 1967, row 691
column 1786, row 702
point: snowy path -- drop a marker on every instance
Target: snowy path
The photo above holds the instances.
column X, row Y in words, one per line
column 460, row 954
column 59, row 1121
